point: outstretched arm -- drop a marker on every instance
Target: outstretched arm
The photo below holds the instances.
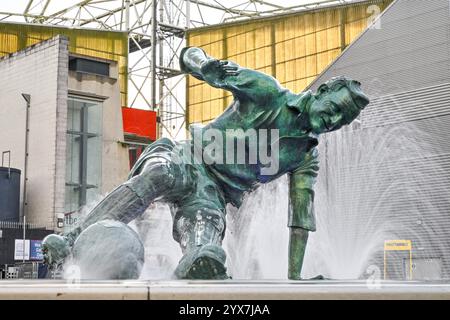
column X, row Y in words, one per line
column 243, row 83
column 301, row 212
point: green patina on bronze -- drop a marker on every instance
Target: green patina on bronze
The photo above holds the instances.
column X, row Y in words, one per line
column 199, row 191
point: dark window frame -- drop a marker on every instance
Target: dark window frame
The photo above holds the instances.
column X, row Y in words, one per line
column 83, row 135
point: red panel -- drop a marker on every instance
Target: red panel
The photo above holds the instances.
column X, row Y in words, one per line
column 139, row 122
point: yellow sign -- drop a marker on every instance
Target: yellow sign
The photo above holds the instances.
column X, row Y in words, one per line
column 398, row 245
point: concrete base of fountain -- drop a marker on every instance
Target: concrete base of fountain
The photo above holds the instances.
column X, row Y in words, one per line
column 223, row 290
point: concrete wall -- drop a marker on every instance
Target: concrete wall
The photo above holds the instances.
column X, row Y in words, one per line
column 218, row 290
column 115, row 162
column 41, row 71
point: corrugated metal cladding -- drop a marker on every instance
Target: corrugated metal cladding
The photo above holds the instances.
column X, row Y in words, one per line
column 388, row 177
column 294, row 48
column 101, row 44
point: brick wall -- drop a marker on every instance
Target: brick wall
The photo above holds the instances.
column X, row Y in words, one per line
column 40, row 71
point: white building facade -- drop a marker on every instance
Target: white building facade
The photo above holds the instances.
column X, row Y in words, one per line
column 75, row 138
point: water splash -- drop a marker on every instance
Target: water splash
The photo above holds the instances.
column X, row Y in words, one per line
column 162, row 253
column 372, row 190
column 256, row 239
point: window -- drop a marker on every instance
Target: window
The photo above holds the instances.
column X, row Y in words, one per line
column 89, row 66
column 83, row 153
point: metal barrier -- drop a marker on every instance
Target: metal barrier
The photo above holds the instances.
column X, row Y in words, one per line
column 11, row 272
column 24, row 271
column 19, row 225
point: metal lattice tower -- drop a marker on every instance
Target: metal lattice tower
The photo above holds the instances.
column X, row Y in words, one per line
column 154, row 79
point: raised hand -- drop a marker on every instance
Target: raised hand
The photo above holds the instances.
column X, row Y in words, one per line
column 215, row 71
